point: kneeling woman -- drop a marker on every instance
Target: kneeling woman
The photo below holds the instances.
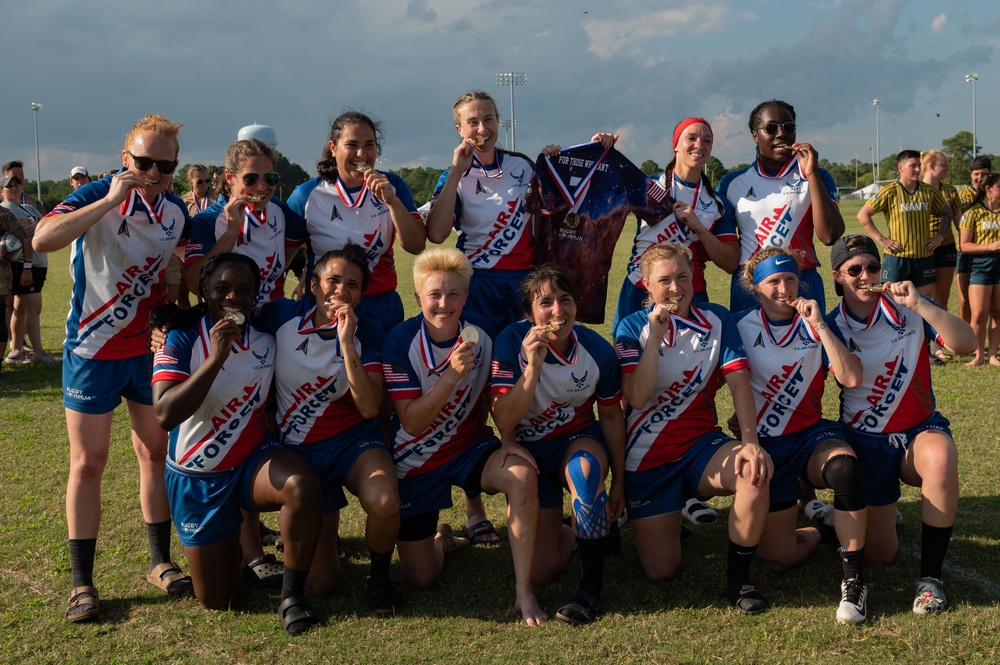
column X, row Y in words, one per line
column 547, row 374
column 889, row 419
column 329, row 385
column 790, row 348
column 437, row 367
column 672, row 355
column 210, row 385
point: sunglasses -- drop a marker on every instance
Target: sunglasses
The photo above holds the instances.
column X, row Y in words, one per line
column 199, row 181
column 164, row 166
column 271, row 178
column 872, row 268
column 786, row 127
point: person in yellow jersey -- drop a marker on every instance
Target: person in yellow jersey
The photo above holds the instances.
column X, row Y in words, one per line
column 979, row 167
column 980, row 238
column 908, row 205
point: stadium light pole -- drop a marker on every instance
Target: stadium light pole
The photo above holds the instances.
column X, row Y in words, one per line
column 878, row 153
column 505, row 125
column 512, row 79
column 972, row 78
column 36, row 108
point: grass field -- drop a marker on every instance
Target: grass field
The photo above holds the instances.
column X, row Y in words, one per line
column 468, row 616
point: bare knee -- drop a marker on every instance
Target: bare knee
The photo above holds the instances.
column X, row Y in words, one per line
column 301, row 491
column 383, row 507
column 659, row 571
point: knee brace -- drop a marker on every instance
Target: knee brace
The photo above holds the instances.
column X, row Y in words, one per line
column 590, row 507
column 843, row 474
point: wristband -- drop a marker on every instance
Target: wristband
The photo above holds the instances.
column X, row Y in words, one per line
column 27, row 264
column 821, row 326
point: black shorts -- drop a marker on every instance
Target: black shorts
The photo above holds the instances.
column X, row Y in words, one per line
column 37, row 279
column 945, row 256
column 918, row 271
column 964, row 264
column 985, row 269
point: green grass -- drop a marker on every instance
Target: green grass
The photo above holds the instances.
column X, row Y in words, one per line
column 468, row 615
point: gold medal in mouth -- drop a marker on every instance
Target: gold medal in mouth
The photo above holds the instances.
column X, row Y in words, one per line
column 672, row 305
column 256, row 198
column 150, row 183
column 480, row 141
column 236, row 316
column 362, row 167
column 788, row 301
column 875, row 288
column 470, row 335
column 554, row 326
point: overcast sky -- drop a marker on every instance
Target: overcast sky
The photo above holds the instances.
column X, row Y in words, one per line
column 633, row 67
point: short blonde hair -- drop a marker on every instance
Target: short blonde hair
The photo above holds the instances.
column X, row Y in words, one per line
column 662, row 252
column 928, row 157
column 154, row 124
column 441, row 259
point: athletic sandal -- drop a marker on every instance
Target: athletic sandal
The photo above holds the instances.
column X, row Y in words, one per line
column 269, row 536
column 698, row 513
column 84, row 597
column 296, row 615
column 168, row 578
column 581, row 609
column 265, row 572
column 747, row 599
column 482, row 533
column 382, row 597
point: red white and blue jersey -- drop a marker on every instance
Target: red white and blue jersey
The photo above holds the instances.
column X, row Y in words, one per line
column 580, row 199
column 568, row 386
column 312, row 391
column 412, row 364
column 335, row 214
column 262, row 237
column 229, row 424
column 895, row 393
column 714, row 215
column 695, row 354
column 117, row 266
column 495, row 232
column 774, row 210
column 788, row 368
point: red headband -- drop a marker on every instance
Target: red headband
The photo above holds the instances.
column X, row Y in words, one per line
column 685, row 123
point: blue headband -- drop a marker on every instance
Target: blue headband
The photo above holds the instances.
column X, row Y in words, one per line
column 774, row 264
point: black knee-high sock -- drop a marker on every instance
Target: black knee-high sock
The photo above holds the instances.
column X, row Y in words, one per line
column 81, row 561
column 158, row 535
column 592, row 555
column 380, row 564
column 738, row 562
column 933, row 546
column 293, row 582
column 853, row 563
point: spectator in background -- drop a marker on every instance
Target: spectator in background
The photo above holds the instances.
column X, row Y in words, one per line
column 8, row 224
column 16, row 168
column 198, row 200
column 78, row 177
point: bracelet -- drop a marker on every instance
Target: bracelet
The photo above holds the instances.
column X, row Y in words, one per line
column 27, row 264
column 821, row 326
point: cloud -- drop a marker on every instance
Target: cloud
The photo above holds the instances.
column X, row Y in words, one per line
column 613, row 36
column 937, row 25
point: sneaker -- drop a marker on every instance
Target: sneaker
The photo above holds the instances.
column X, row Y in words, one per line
column 341, row 553
column 19, row 358
column 747, row 599
column 853, row 602
column 44, row 359
column 899, row 518
column 818, row 512
column 930, row 598
column 698, row 513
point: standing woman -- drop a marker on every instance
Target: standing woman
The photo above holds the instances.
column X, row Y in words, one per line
column 701, row 221
column 980, row 237
column 790, row 348
column 890, row 418
column 933, row 170
column 350, row 201
column 782, row 199
column 673, row 354
column 978, row 168
column 247, row 220
column 211, row 380
column 547, row 374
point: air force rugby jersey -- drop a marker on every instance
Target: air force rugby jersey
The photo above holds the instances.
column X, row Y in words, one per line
column 262, row 237
column 896, row 392
column 313, row 393
column 412, row 364
column 229, row 424
column 695, row 354
column 716, row 216
column 568, row 386
column 580, row 199
column 335, row 214
column 494, row 230
column 117, row 266
column 774, row 210
column 787, row 371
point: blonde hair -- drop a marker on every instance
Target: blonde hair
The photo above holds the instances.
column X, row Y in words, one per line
column 928, row 157
column 473, row 96
column 746, row 276
column 154, row 124
column 665, row 251
column 441, row 259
